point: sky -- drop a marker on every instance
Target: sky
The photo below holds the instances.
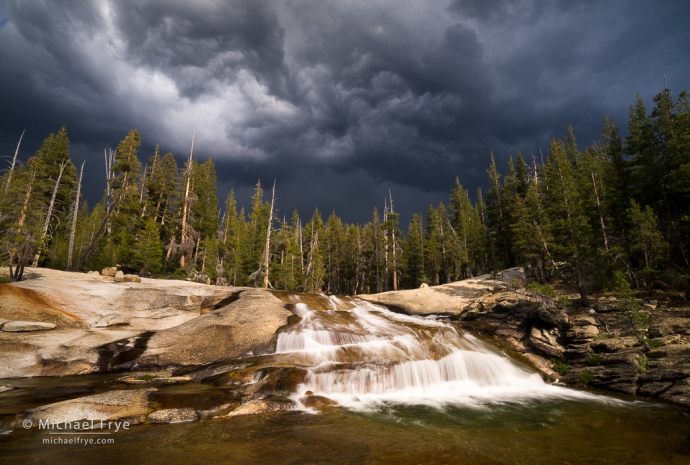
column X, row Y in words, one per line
column 339, row 101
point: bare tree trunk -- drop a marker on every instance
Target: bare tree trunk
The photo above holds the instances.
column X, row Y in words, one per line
column 170, row 248
column 186, row 200
column 581, row 282
column 421, row 235
column 385, row 245
column 601, row 216
column 395, row 270
column 44, row 232
column 14, row 161
column 203, row 262
column 25, row 207
column 108, row 177
column 104, row 222
column 141, row 191
column 301, row 251
column 376, row 253
column 74, row 220
column 267, row 248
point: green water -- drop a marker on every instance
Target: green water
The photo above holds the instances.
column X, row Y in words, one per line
column 545, row 432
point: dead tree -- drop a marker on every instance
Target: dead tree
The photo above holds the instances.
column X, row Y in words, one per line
column 109, row 156
column 188, row 173
column 265, row 260
column 44, row 231
column 14, row 161
column 104, row 222
column 74, row 220
column 395, row 271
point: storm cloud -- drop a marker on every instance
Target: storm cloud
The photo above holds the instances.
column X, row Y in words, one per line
column 337, row 100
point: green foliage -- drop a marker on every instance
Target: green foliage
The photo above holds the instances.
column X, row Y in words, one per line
column 628, row 309
column 566, row 302
column 147, row 377
column 594, row 360
column 559, row 366
column 642, row 363
column 586, row 377
column 541, row 289
column 582, row 216
column 148, row 249
column 655, row 343
column 5, row 279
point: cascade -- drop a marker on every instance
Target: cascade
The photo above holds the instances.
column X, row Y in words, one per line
column 362, row 355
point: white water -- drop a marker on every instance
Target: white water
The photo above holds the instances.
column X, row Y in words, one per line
column 362, row 355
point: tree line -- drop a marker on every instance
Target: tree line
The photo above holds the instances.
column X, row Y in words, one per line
column 584, row 217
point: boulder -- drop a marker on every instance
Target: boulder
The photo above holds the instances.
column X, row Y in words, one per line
column 93, row 272
column 678, row 393
column 257, row 406
column 313, row 401
column 545, row 341
column 119, row 276
column 424, row 286
column 581, row 320
column 583, row 332
column 111, row 405
column 553, row 316
column 451, row 298
column 25, row 326
column 246, row 326
column 111, row 271
column 112, row 319
column 131, row 278
column 174, row 415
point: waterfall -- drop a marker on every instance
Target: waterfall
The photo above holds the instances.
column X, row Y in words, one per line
column 362, row 355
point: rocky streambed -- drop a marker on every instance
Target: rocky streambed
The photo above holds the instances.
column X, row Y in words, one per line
column 176, row 352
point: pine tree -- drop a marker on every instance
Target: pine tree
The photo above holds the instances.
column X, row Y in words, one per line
column 414, row 259
column 148, row 250
column 495, row 219
column 568, row 225
column 315, row 268
column 205, row 208
column 646, row 240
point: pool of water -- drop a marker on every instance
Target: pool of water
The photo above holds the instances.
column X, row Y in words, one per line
column 533, row 432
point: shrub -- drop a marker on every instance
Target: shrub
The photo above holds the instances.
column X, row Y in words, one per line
column 586, row 377
column 560, row 367
column 540, row 289
column 642, row 363
column 654, row 343
column 147, row 377
column 567, row 303
column 594, row 360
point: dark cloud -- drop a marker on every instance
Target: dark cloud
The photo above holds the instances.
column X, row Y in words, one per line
column 338, row 101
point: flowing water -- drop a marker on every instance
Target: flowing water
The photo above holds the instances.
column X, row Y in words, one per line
column 412, row 390
column 363, row 355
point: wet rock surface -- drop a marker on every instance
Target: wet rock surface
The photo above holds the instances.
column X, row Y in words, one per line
column 259, row 406
column 111, row 405
column 594, row 347
column 174, row 415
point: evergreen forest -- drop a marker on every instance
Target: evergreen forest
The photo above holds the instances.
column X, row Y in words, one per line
column 578, row 216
